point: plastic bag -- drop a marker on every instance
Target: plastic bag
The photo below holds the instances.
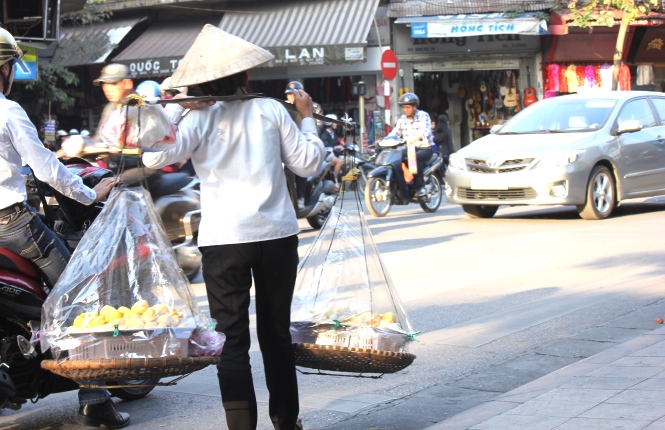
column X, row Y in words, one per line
column 343, row 294
column 123, row 294
column 149, row 128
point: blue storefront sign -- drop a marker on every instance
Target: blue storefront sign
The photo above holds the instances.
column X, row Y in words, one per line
column 428, row 27
column 25, row 69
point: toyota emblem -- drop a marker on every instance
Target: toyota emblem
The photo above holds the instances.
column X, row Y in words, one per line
column 493, row 163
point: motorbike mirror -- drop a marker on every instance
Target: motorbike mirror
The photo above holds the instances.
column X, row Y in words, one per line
column 73, row 146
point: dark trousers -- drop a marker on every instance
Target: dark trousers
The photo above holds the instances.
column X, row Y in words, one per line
column 228, row 272
column 423, row 155
column 301, row 186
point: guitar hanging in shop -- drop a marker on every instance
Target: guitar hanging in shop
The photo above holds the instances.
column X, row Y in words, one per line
column 510, row 100
column 471, row 113
column 530, row 92
column 518, row 107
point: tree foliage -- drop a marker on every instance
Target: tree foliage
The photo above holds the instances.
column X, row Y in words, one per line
column 56, row 84
column 584, row 13
column 602, row 12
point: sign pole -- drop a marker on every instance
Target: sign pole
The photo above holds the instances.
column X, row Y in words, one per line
column 389, row 70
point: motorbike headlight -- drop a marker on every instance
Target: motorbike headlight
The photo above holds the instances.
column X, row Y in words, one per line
column 560, row 159
column 456, row 162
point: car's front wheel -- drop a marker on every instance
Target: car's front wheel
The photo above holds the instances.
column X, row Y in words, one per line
column 600, row 195
column 479, row 211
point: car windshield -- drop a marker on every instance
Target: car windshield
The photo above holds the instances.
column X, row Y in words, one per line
column 561, row 116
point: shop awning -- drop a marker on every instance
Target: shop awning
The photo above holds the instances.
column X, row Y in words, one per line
column 160, row 48
column 307, row 33
column 425, row 27
column 91, row 44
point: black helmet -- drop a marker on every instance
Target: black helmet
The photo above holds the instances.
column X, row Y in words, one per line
column 293, row 86
column 409, row 99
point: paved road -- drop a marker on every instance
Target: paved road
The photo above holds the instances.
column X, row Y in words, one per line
column 500, row 302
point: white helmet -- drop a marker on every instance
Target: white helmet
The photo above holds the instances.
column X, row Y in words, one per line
column 9, row 50
column 332, row 116
column 73, row 131
column 85, row 133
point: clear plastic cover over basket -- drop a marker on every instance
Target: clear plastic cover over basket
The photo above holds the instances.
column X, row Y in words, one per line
column 344, row 295
column 147, row 127
column 122, row 294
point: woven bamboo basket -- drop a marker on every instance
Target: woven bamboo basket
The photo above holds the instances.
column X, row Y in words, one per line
column 346, row 359
column 113, row 369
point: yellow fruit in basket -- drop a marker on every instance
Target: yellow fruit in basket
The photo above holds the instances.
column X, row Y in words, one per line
column 389, row 317
column 149, row 313
column 182, row 324
column 176, row 313
column 161, row 309
column 134, row 322
column 150, row 324
column 112, row 315
column 125, row 311
column 96, row 322
column 140, row 307
column 106, row 310
column 376, row 319
column 163, row 319
column 117, row 321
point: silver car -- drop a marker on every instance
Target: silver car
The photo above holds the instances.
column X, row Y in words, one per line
column 590, row 150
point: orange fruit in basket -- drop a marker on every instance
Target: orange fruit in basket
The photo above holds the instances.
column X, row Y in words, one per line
column 659, row 320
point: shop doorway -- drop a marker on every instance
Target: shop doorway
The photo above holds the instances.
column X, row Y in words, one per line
column 474, row 100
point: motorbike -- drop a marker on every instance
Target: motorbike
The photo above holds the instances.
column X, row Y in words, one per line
column 352, row 156
column 386, row 185
column 320, row 194
column 22, row 294
column 176, row 197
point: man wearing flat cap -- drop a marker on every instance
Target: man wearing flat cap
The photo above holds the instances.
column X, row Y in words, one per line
column 116, row 84
column 248, row 229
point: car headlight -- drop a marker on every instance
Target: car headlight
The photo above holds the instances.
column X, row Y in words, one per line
column 456, row 162
column 561, row 158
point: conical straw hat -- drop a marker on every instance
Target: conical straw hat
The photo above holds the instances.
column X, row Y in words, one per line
column 216, row 54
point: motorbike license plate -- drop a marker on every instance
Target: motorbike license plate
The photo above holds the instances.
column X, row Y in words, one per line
column 488, row 183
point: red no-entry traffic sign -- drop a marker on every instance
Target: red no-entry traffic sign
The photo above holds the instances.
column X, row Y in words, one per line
column 389, row 64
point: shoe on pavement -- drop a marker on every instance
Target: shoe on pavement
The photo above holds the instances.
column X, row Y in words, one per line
column 422, row 192
column 102, row 414
column 298, row 424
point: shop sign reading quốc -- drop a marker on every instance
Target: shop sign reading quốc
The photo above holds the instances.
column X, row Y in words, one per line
column 152, row 67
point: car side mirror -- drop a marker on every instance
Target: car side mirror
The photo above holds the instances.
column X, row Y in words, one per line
column 495, row 128
column 630, row 126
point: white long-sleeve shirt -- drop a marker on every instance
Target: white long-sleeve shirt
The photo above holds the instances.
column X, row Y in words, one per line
column 237, row 150
column 19, row 140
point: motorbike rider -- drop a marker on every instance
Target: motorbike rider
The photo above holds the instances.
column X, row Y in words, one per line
column 291, row 88
column 330, row 140
column 413, row 124
column 22, row 230
column 116, row 83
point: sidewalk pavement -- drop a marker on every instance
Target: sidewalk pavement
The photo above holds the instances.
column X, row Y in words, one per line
column 620, row 388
